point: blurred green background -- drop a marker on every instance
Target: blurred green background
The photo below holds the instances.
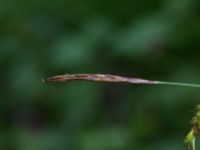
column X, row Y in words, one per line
column 154, row 39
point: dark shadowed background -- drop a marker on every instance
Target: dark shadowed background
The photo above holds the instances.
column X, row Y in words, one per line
column 152, row 39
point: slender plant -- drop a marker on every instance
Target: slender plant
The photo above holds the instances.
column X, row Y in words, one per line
column 112, row 78
column 195, row 123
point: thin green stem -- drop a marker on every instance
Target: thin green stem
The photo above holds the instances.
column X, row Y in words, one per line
column 193, row 144
column 178, row 84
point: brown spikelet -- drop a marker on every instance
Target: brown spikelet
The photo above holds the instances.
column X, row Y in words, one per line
column 98, row 78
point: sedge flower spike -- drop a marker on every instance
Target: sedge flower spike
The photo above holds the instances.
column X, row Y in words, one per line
column 111, row 78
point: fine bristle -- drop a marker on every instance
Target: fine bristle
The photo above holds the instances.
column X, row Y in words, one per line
column 43, row 81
